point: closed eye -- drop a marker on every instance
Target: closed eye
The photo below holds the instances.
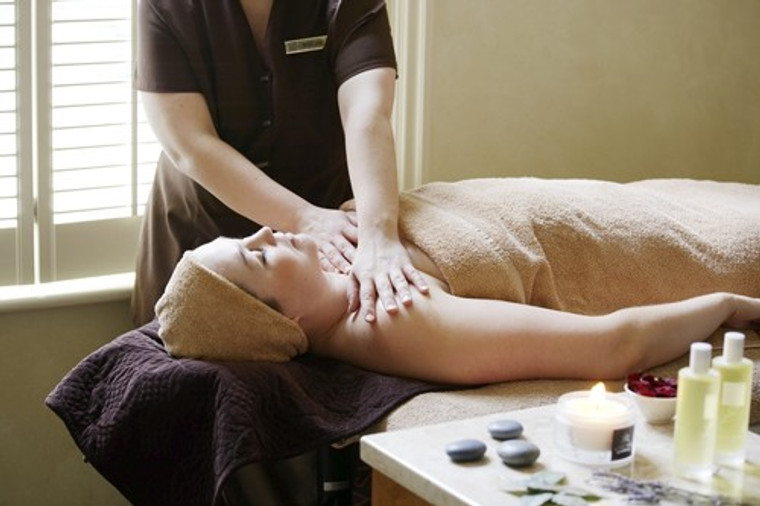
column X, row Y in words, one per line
column 244, row 252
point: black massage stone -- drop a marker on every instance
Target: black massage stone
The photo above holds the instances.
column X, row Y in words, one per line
column 466, row 450
column 518, row 452
column 505, row 429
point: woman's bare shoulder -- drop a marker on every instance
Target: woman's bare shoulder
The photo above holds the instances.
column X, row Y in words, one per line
column 353, row 335
column 422, row 305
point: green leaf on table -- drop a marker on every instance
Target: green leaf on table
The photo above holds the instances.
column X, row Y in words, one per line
column 536, row 499
column 546, row 479
column 541, row 490
column 587, row 496
column 545, row 488
column 563, row 499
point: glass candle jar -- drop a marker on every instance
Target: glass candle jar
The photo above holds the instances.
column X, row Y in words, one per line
column 594, row 428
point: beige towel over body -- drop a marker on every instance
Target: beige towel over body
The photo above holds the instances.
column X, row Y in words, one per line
column 584, row 246
column 588, row 246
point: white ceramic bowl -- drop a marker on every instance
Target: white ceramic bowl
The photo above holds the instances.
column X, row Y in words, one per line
column 654, row 409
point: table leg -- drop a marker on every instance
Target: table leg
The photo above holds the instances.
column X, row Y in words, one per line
column 387, row 492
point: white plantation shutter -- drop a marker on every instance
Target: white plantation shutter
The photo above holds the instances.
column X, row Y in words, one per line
column 8, row 118
column 14, row 190
column 94, row 154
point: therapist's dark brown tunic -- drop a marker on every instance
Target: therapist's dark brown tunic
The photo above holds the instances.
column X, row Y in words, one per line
column 279, row 110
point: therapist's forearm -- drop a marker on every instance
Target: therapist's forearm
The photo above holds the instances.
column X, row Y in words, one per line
column 241, row 185
column 366, row 103
column 184, row 127
column 372, row 164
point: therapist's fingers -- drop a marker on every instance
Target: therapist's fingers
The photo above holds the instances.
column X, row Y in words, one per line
column 346, row 247
column 400, row 286
column 367, row 299
column 326, row 265
column 335, row 257
column 351, row 215
column 385, row 292
column 416, row 278
column 353, row 294
column 347, row 241
column 361, row 297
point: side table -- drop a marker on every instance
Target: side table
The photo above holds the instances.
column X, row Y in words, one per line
column 410, row 466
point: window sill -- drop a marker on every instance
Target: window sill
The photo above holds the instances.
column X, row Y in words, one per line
column 67, row 293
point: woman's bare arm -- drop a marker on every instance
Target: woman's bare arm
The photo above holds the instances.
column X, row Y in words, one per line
column 471, row 341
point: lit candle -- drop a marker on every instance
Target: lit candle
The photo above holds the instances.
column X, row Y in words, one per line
column 594, row 428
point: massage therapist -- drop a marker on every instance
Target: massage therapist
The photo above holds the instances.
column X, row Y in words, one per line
column 272, row 112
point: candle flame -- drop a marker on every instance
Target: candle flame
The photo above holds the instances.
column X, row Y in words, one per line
column 598, row 392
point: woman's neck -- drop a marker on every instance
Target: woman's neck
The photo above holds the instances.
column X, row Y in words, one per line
column 327, row 309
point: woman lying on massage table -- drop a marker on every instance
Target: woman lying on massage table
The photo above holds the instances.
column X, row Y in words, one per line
column 212, row 308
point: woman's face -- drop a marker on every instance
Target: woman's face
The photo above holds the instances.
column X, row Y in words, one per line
column 274, row 267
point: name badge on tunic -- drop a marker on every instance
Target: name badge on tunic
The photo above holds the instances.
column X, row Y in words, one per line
column 306, row 45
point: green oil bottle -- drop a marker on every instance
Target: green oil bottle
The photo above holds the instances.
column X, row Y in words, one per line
column 733, row 409
column 695, row 430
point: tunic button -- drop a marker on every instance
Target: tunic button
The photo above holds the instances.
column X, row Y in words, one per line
column 266, row 123
column 266, row 78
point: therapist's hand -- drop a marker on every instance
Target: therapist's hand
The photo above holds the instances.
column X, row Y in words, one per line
column 382, row 269
column 336, row 234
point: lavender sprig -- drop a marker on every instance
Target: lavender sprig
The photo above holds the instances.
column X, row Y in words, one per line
column 652, row 492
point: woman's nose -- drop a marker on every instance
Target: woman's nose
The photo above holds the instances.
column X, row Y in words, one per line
column 263, row 236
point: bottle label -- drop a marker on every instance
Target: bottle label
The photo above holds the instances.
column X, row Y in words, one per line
column 710, row 407
column 733, row 394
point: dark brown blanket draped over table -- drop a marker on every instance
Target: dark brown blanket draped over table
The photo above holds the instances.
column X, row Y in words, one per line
column 166, row 431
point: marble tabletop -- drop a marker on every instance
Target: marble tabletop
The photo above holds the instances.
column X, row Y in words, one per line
column 415, row 459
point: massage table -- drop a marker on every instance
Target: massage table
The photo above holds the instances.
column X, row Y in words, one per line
column 172, row 431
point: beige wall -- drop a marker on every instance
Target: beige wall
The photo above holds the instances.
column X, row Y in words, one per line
column 592, row 88
column 39, row 463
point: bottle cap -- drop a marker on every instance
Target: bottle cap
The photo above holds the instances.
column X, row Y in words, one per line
column 700, row 358
column 733, row 347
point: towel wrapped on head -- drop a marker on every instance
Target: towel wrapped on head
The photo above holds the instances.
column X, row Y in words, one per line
column 203, row 315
